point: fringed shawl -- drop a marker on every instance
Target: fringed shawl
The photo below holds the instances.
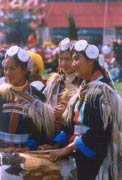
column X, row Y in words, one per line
column 111, row 112
column 43, row 117
column 52, row 86
column 41, row 113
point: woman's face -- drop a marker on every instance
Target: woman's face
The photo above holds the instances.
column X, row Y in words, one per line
column 14, row 73
column 81, row 64
column 66, row 62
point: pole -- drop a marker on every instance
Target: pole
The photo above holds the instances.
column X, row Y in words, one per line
column 105, row 20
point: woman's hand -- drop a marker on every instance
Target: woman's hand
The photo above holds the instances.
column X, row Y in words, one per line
column 63, row 152
column 58, row 111
column 48, row 146
column 14, row 149
column 58, row 154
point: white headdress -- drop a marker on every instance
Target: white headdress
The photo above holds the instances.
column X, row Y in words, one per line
column 21, row 54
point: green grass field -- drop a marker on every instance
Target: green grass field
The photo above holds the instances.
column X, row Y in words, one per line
column 118, row 86
column 45, row 75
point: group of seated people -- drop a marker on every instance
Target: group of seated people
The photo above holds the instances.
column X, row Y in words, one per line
column 77, row 111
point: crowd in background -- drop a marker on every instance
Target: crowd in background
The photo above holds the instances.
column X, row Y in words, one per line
column 24, row 23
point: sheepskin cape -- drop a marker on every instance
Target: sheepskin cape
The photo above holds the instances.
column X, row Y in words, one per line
column 111, row 110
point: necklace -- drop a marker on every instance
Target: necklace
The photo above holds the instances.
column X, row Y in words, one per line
column 20, row 88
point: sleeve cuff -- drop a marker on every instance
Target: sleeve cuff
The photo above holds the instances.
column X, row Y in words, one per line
column 61, row 138
column 83, row 148
column 32, row 144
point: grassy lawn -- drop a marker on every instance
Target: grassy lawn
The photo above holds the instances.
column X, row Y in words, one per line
column 45, row 75
column 118, row 86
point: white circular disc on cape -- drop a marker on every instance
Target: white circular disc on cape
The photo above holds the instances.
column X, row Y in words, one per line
column 81, row 45
column 106, row 66
column 38, row 85
column 101, row 60
column 65, row 44
column 92, row 52
column 12, row 51
column 56, row 51
column 23, row 55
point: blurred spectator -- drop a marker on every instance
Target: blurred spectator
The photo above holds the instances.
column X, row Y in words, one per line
column 40, row 26
column 115, row 73
column 2, row 54
column 2, row 37
column 31, row 40
column 108, row 54
column 117, row 47
column 50, row 58
column 38, row 67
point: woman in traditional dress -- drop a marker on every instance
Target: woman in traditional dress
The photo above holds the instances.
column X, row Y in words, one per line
column 65, row 81
column 60, row 86
column 18, row 126
column 93, row 120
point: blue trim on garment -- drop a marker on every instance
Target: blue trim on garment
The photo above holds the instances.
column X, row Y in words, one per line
column 32, row 144
column 84, row 149
column 99, row 78
column 81, row 115
column 61, row 138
